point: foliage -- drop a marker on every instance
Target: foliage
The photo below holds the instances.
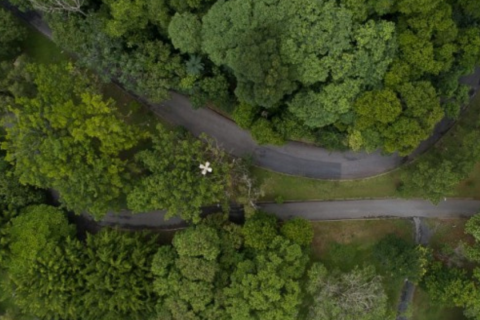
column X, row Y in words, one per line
column 260, row 230
column 364, row 74
column 209, row 274
column 12, row 33
column 39, row 228
column 184, row 30
column 149, row 69
column 174, row 180
column 472, row 227
column 298, row 230
column 13, row 195
column 397, row 258
column 357, row 294
column 55, row 276
column 68, row 138
column 117, row 277
column 447, row 286
column 263, row 132
column 277, row 271
column 435, row 175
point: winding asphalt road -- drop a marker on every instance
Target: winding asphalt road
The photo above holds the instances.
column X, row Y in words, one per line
column 293, row 158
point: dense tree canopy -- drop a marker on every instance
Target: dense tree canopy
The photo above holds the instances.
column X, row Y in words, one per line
column 69, row 138
column 55, row 276
column 174, row 178
column 358, row 74
column 210, row 274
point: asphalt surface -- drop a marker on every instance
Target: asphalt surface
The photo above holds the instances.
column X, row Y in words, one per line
column 293, row 158
column 320, row 210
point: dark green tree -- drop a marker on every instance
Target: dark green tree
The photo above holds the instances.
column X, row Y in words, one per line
column 185, row 32
column 12, row 33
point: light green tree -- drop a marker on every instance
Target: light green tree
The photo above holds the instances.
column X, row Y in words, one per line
column 70, row 139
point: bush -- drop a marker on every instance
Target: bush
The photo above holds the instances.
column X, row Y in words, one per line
column 298, row 230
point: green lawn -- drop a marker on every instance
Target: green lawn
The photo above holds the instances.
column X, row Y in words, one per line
column 346, row 244
column 298, row 188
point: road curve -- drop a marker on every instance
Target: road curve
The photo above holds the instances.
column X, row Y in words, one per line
column 320, row 210
column 293, row 158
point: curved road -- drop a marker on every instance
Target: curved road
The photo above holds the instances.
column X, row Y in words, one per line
column 293, row 158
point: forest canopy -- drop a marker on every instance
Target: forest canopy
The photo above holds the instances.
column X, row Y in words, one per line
column 365, row 75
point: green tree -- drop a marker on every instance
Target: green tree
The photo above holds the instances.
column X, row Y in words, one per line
column 263, row 132
column 13, row 198
column 174, row 180
column 260, row 230
column 185, row 32
column 70, row 139
column 117, row 277
column 400, row 259
column 358, row 294
column 39, row 228
column 277, row 271
column 209, row 275
column 187, row 275
column 298, row 230
column 12, row 33
column 44, row 264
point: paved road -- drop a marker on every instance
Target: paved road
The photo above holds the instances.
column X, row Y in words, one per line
column 360, row 209
column 293, row 158
column 322, row 210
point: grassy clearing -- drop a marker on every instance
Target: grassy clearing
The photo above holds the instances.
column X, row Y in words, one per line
column 346, row 244
column 297, row 188
column 424, row 309
column 447, row 232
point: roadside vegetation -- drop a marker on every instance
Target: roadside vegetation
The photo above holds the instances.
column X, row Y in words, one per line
column 405, row 56
column 64, row 129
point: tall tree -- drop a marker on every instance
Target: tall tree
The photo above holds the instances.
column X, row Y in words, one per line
column 358, row 294
column 70, row 139
column 174, row 179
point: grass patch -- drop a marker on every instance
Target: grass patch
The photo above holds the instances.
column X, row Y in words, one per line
column 297, row 188
column 448, row 232
column 40, row 49
column 424, row 309
column 470, row 188
column 346, row 244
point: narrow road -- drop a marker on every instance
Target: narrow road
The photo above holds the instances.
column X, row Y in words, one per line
column 293, row 158
column 317, row 211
